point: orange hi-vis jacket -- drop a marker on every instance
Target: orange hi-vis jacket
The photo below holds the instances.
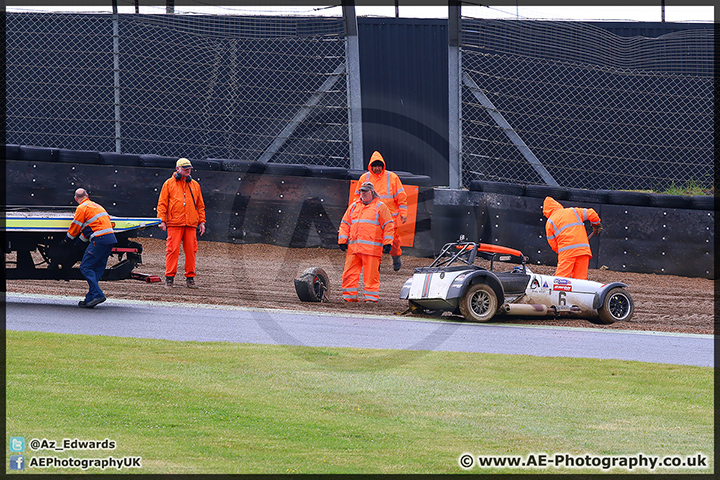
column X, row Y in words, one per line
column 565, row 228
column 387, row 185
column 90, row 214
column 181, row 203
column 366, row 228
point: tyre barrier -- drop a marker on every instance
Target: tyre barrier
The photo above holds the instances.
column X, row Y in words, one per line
column 89, row 157
column 502, row 188
column 120, row 159
column 157, row 161
column 83, row 157
column 703, row 202
column 12, row 152
column 240, row 166
column 286, row 170
column 38, row 154
column 582, row 195
column 542, row 191
column 322, row 171
column 671, row 201
column 313, row 285
column 641, row 234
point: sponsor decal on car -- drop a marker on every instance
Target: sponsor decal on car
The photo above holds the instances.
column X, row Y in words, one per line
column 562, row 284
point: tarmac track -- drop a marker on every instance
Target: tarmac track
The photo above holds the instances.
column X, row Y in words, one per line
column 203, row 323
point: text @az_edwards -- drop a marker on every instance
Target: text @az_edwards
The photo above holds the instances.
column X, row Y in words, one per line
column 71, row 444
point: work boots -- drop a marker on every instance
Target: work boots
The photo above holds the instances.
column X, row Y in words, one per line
column 169, row 282
column 396, row 263
column 191, row 282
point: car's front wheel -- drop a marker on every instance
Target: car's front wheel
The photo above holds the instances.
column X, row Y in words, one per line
column 617, row 306
column 479, row 304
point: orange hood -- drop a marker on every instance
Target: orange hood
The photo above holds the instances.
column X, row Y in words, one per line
column 550, row 205
column 376, row 157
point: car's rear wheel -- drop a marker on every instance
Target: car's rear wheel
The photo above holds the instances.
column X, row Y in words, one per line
column 617, row 306
column 479, row 304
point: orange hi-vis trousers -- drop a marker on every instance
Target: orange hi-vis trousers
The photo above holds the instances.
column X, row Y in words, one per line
column 573, row 267
column 369, row 265
column 396, row 251
column 188, row 237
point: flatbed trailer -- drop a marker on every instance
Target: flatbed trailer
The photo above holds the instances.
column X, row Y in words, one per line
column 39, row 230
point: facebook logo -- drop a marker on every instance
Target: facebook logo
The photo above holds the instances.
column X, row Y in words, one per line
column 17, row 462
column 17, row 444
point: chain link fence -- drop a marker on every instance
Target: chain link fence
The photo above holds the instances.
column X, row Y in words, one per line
column 597, row 110
column 198, row 86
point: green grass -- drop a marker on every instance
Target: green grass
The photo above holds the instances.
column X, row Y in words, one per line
column 691, row 187
column 188, row 407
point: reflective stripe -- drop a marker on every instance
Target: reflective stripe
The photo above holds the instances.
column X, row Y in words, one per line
column 372, row 222
column 343, row 236
column 385, row 224
column 577, row 215
column 102, row 232
column 91, row 220
column 389, row 237
column 365, row 242
column 345, row 222
column 568, row 226
column 571, row 247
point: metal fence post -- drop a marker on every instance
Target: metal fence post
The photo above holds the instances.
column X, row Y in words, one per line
column 116, row 76
column 352, row 61
column 454, row 96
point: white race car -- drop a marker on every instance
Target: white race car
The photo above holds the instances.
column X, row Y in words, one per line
column 454, row 283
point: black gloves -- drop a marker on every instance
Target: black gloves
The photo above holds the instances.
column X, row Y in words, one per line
column 65, row 241
column 597, row 229
column 343, row 246
column 386, row 248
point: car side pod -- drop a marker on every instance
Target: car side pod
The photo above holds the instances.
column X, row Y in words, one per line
column 312, row 285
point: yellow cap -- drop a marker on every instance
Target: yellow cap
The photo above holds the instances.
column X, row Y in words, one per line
column 183, row 162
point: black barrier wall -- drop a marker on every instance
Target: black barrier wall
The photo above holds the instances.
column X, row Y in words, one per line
column 305, row 211
column 241, row 207
column 635, row 238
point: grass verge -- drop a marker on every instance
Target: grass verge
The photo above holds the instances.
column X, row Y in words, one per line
column 189, row 407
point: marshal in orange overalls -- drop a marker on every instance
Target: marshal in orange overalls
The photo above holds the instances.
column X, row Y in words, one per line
column 365, row 229
column 181, row 207
column 392, row 193
column 567, row 237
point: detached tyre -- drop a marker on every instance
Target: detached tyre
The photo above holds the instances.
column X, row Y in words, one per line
column 479, row 304
column 312, row 285
column 618, row 306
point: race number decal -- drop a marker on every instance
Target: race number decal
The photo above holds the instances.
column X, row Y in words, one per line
column 562, row 301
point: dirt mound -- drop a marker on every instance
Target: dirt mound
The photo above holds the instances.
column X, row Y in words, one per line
column 261, row 276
